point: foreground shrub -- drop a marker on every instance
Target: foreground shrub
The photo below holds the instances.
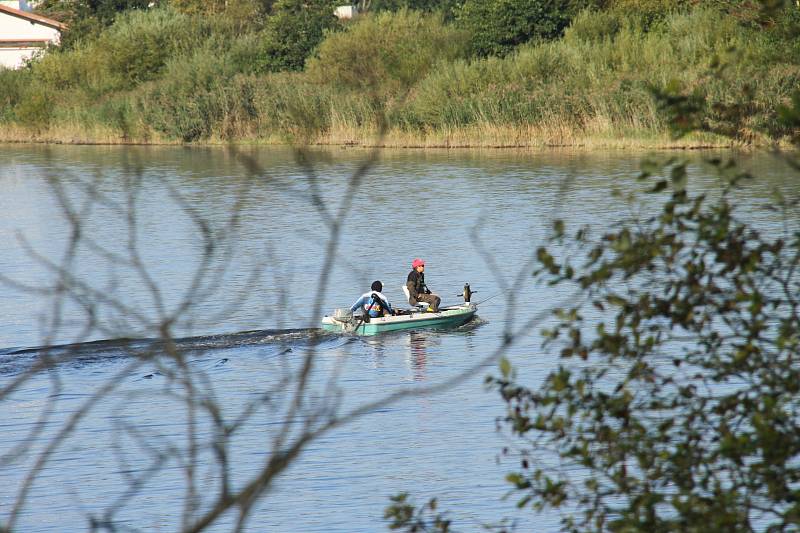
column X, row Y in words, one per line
column 674, row 405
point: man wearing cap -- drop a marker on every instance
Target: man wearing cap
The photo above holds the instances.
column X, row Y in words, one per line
column 417, row 290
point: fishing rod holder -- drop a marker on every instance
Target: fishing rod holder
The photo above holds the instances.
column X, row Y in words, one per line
column 467, row 293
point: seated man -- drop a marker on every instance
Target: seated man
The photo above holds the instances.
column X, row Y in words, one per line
column 374, row 303
column 417, row 290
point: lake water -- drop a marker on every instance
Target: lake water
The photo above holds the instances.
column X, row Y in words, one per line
column 234, row 246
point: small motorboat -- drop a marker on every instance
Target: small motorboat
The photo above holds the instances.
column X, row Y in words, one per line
column 344, row 321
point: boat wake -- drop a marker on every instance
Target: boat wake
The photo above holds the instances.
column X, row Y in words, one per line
column 16, row 359
column 273, row 342
column 472, row 325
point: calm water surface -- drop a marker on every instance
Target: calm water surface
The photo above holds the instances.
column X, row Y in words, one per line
column 475, row 217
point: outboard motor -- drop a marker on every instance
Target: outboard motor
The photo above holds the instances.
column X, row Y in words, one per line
column 343, row 315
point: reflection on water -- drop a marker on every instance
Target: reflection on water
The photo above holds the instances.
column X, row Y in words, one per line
column 376, row 350
column 417, row 354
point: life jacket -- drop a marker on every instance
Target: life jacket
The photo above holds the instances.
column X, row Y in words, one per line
column 375, row 306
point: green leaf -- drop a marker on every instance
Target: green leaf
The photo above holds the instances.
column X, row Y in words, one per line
column 505, row 367
column 558, row 228
column 659, row 186
column 678, row 176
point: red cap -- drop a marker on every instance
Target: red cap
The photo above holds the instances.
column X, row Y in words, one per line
column 417, row 262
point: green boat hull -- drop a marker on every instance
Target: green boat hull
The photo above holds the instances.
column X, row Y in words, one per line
column 446, row 318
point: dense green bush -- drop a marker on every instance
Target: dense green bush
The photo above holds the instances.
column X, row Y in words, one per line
column 191, row 98
column 386, row 53
column 35, row 109
column 293, row 31
column 13, row 84
column 647, row 13
column 293, row 108
column 86, row 19
column 498, row 26
column 447, row 8
column 222, row 7
column 133, row 50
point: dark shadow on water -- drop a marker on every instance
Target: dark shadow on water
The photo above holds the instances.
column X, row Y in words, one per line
column 418, row 354
column 15, row 360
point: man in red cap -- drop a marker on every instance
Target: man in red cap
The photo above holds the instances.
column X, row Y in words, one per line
column 417, row 290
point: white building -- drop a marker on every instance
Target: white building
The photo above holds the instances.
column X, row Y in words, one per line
column 345, row 12
column 23, row 33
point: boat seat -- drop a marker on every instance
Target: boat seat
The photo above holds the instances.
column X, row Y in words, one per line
column 420, row 306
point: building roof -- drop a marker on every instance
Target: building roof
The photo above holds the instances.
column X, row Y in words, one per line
column 32, row 17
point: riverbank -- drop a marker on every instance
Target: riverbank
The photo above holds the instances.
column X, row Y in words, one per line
column 598, row 135
column 162, row 77
column 474, row 137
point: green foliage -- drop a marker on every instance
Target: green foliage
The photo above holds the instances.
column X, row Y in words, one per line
column 446, row 7
column 156, row 72
column 412, row 67
column 137, row 48
column 35, row 107
column 499, row 26
column 81, row 30
column 405, row 516
column 219, row 7
column 293, row 31
column 134, row 49
column 86, row 19
column 245, row 15
column 386, row 53
column 192, row 99
column 596, row 26
column 680, row 408
column 603, row 70
column 107, row 10
column 679, row 404
column 737, row 93
column 293, row 108
column 14, row 83
column 647, row 13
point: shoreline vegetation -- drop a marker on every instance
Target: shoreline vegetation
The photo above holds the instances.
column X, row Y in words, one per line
column 454, row 140
column 479, row 136
column 172, row 75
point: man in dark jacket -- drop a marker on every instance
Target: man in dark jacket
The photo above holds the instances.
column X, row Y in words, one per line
column 417, row 290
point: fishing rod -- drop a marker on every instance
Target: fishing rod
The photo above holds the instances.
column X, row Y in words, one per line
column 491, row 297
